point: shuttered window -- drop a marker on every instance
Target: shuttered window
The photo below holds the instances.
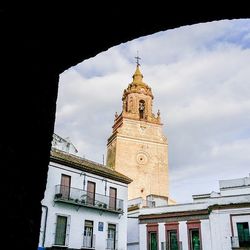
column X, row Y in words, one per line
column 152, row 237
column 243, row 234
column 88, row 239
column 91, row 193
column 194, row 235
column 61, row 228
column 112, row 237
column 65, row 186
column 112, row 198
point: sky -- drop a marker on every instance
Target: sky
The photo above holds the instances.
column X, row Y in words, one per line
column 200, row 78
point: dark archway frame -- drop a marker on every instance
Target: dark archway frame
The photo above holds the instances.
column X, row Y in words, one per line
column 38, row 43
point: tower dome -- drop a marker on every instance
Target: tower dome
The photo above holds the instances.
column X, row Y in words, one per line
column 138, row 99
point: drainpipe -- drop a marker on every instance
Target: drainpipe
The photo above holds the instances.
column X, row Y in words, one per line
column 45, row 224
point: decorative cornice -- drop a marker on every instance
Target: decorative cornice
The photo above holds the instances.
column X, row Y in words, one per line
column 174, row 214
column 229, row 206
column 185, row 215
column 139, row 88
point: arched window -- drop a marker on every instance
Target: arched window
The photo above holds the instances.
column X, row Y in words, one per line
column 141, row 109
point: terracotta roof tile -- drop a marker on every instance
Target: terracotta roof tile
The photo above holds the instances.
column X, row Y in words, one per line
column 77, row 162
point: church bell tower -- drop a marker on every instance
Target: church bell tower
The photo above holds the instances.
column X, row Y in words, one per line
column 137, row 146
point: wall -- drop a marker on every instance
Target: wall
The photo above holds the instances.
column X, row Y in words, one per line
column 136, row 140
column 221, row 227
column 159, row 201
column 133, row 231
column 79, row 215
column 236, row 191
column 143, row 236
column 183, row 235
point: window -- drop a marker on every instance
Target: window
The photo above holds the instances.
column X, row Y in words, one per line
column 61, row 230
column 243, row 234
column 112, row 198
column 142, row 109
column 88, row 237
column 172, row 235
column 112, row 236
column 91, row 193
column 152, row 240
column 194, row 235
column 194, row 239
column 152, row 236
column 153, row 204
column 65, row 186
column 172, row 240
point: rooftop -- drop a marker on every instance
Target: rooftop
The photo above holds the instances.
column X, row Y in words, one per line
column 232, row 183
column 83, row 164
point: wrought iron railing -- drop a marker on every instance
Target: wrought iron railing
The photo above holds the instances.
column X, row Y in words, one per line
column 111, row 244
column 89, row 241
column 171, row 246
column 84, row 198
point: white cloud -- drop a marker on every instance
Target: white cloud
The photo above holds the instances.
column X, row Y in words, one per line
column 199, row 75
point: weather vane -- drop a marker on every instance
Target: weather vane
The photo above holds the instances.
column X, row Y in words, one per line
column 137, row 59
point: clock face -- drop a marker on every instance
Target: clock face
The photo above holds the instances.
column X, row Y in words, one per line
column 141, row 158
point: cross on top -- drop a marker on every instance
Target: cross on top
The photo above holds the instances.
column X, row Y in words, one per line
column 137, row 59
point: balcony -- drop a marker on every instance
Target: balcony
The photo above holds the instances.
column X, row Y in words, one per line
column 88, row 242
column 174, row 246
column 82, row 198
column 240, row 244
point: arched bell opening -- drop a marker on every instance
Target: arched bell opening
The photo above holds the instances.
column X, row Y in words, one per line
column 142, row 109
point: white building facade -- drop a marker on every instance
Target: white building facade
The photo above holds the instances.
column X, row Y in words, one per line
column 215, row 221
column 84, row 206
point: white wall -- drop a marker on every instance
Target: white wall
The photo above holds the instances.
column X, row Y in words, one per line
column 174, row 208
column 143, row 236
column 221, row 227
column 236, row 191
column 235, row 186
column 78, row 215
column 245, row 181
column 206, row 235
column 159, row 201
column 216, row 231
column 183, row 234
column 220, row 230
column 133, row 231
column 161, row 234
column 244, row 216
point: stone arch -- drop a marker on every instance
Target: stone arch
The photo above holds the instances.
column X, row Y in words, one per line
column 39, row 44
column 142, row 109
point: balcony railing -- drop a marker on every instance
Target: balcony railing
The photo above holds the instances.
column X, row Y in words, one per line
column 141, row 203
column 87, row 199
column 236, row 243
column 174, row 246
column 111, row 244
column 88, row 242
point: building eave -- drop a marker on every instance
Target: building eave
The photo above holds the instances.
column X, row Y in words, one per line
column 58, row 156
column 229, row 206
column 174, row 214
